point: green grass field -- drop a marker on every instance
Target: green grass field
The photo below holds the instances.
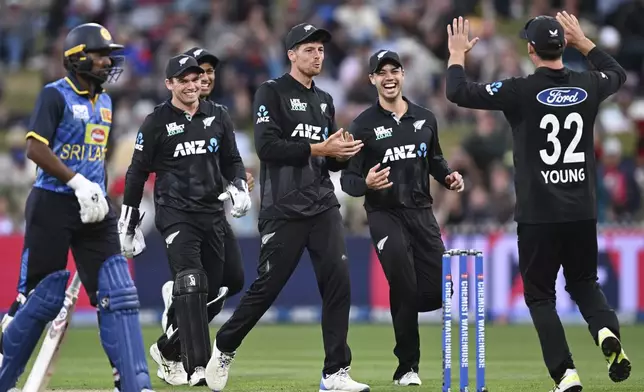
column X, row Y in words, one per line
column 288, row 358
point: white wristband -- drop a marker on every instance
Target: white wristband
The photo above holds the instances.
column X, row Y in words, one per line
column 77, row 181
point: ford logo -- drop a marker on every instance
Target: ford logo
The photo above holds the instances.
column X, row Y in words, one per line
column 562, row 96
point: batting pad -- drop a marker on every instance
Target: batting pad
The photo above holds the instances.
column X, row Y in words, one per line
column 22, row 334
column 118, row 304
column 190, row 298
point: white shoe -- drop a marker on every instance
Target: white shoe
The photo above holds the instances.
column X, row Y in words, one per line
column 341, row 382
column 409, row 378
column 166, row 293
column 171, row 372
column 198, row 377
column 217, row 369
column 569, row 383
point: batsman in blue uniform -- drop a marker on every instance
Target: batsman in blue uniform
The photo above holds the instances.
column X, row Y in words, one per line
column 67, row 208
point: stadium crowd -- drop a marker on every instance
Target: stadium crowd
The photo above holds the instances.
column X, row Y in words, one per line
column 247, row 36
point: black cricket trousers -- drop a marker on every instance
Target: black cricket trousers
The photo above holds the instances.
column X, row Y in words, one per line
column 543, row 250
column 410, row 250
column 282, row 245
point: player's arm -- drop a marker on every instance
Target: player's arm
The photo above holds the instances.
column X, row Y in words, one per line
column 352, row 179
column 232, row 167
column 609, row 75
column 49, row 110
column 142, row 164
column 333, row 164
column 439, row 169
column 501, row 95
column 270, row 142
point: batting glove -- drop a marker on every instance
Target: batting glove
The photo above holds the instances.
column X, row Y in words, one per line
column 130, row 234
column 93, row 205
column 237, row 193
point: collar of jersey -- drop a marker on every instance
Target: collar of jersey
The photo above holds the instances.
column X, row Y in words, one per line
column 299, row 85
column 410, row 109
column 551, row 71
column 73, row 82
column 181, row 111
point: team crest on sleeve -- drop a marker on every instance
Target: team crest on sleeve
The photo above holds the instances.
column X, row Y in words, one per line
column 106, row 115
column 493, row 88
column 262, row 115
column 139, row 142
column 96, row 134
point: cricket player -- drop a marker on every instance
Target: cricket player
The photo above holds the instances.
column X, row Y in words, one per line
column 67, row 208
column 190, row 144
column 392, row 171
column 297, row 144
column 552, row 114
column 172, row 371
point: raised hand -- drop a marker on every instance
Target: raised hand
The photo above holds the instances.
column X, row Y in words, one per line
column 458, row 36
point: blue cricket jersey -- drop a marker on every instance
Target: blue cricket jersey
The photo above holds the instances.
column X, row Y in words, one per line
column 76, row 128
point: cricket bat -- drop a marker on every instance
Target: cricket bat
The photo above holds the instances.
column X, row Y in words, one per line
column 44, row 365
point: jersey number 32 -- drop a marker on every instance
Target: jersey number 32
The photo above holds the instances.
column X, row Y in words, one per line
column 573, row 122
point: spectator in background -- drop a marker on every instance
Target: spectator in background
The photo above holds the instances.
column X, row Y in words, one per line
column 616, row 175
column 6, row 223
column 487, row 145
column 247, row 37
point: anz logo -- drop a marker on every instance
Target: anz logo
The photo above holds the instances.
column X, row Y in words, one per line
column 196, row 147
column 310, row 132
column 562, row 96
column 139, row 142
column 408, row 151
column 213, row 145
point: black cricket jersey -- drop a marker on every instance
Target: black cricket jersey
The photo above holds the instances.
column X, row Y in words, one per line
column 189, row 155
column 289, row 117
column 552, row 115
column 408, row 145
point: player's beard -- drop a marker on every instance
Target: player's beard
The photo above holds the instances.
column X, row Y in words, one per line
column 311, row 71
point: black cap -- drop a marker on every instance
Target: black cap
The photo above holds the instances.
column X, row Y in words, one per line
column 382, row 57
column 179, row 65
column 545, row 33
column 305, row 32
column 203, row 56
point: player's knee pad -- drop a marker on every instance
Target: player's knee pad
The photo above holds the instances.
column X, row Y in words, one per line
column 190, row 301
column 22, row 334
column 119, row 324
